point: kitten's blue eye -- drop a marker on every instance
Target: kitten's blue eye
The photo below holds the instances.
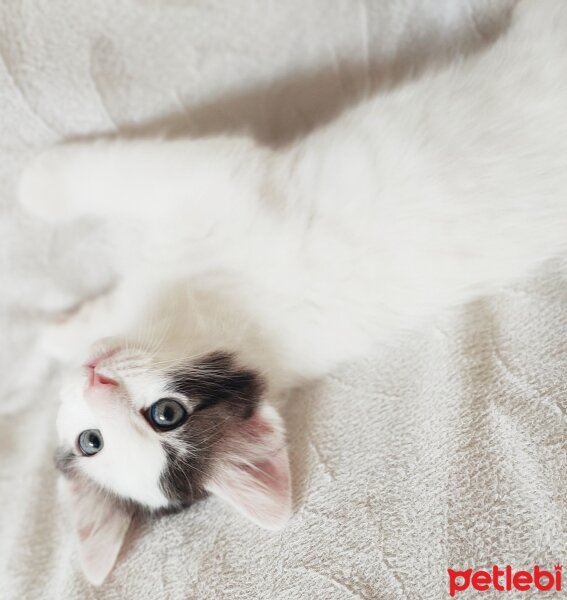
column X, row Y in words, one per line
column 90, row 442
column 167, row 414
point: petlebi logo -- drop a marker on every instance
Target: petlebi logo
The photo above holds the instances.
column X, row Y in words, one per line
column 505, row 579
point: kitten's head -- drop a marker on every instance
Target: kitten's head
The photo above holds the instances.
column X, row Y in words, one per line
column 141, row 433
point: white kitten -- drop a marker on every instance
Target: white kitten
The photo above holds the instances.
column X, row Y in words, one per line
column 246, row 270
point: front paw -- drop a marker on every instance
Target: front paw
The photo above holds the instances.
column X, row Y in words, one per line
column 44, row 185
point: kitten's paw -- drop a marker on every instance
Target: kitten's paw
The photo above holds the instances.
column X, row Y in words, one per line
column 43, row 189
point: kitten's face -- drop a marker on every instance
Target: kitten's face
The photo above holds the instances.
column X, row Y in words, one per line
column 137, row 430
column 131, row 422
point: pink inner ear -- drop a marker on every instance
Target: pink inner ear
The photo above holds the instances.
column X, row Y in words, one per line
column 260, row 492
column 100, row 527
column 273, row 474
column 257, row 482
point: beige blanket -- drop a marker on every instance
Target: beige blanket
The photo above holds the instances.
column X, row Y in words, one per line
column 446, row 449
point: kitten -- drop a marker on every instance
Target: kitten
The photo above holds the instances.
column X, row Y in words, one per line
column 248, row 270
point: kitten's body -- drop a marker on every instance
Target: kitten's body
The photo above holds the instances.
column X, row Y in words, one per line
column 418, row 199
column 295, row 260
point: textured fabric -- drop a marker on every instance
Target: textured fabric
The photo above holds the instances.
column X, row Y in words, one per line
column 446, row 449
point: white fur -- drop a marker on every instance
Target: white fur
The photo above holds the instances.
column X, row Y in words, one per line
column 298, row 259
column 421, row 198
column 132, row 459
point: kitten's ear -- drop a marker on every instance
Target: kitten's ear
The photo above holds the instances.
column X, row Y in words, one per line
column 255, row 478
column 100, row 525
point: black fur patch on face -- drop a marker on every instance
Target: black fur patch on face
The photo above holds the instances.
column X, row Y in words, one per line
column 216, row 379
column 223, row 394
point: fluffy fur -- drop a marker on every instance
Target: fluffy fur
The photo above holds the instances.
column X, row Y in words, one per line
column 291, row 261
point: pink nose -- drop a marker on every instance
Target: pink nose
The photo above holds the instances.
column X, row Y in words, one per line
column 98, row 380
